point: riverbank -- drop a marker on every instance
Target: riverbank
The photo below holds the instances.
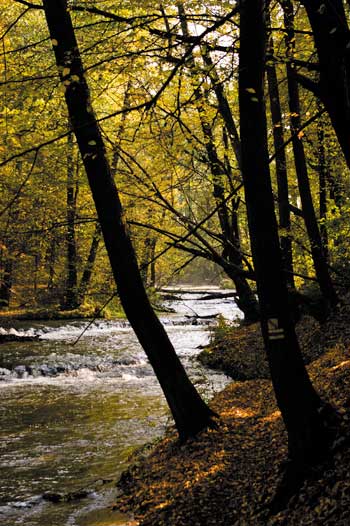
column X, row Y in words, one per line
column 228, row 475
column 239, row 351
column 7, row 316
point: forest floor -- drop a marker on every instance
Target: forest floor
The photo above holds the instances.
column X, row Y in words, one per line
column 227, row 476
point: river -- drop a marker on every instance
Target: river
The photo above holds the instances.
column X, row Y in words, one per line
column 72, row 412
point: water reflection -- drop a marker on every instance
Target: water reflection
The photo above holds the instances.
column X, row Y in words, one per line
column 76, row 427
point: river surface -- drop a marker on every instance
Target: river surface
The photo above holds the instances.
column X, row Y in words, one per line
column 72, row 412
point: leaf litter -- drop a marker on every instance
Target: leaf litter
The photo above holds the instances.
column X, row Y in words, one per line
column 227, row 476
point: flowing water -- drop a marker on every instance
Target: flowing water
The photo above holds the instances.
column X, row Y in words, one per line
column 73, row 412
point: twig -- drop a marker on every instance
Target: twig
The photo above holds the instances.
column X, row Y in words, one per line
column 94, row 318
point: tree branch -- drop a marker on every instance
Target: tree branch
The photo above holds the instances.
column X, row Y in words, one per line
column 308, row 84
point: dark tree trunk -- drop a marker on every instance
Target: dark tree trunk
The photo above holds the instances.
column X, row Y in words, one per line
column 147, row 266
column 331, row 33
column 70, row 300
column 145, row 258
column 6, row 282
column 9, row 253
column 335, row 189
column 296, row 397
column 231, row 246
column 50, row 261
column 224, row 107
column 190, row 413
column 120, row 131
column 89, row 266
column 322, row 180
column 317, row 251
column 281, row 169
column 152, row 277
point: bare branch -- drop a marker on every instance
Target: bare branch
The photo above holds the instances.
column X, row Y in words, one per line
column 305, row 125
column 8, row 29
column 10, row 203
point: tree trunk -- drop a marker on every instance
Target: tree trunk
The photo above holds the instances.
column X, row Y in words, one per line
column 87, row 272
column 145, row 258
column 51, row 260
column 152, row 277
column 331, row 34
column 317, row 251
column 231, row 246
column 70, row 299
column 224, row 107
column 190, row 413
column 11, row 248
column 6, row 282
column 281, row 169
column 322, row 184
column 296, row 397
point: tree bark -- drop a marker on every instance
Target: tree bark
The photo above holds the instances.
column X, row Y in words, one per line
column 296, row 397
column 224, row 107
column 6, row 282
column 70, row 299
column 331, row 34
column 190, row 413
column 152, row 273
column 51, row 260
column 317, row 251
column 87, row 272
column 89, row 266
column 231, row 246
column 281, row 168
column 322, row 185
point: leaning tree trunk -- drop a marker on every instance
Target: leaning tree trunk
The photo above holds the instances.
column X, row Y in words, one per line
column 96, row 237
column 299, row 403
column 190, row 413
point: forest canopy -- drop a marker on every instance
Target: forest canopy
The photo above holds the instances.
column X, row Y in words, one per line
column 164, row 86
